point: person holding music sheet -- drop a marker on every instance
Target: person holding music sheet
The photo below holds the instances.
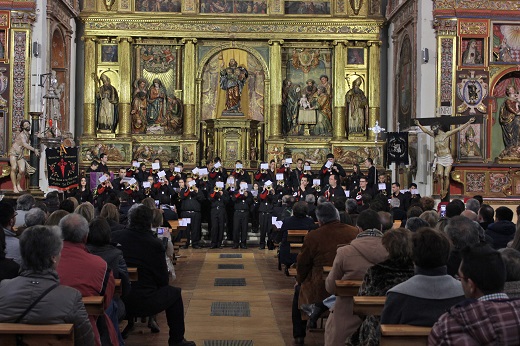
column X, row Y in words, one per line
column 330, row 168
column 103, row 190
column 382, row 187
column 118, row 183
column 265, row 211
column 261, row 175
column 191, row 197
column 242, row 200
column 218, row 197
column 239, row 173
column 217, row 172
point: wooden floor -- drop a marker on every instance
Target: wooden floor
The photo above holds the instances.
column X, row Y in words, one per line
column 268, row 291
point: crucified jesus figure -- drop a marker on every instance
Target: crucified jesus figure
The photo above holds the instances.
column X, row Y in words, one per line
column 443, row 156
column 19, row 166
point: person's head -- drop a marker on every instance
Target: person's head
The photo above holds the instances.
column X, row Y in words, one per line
column 150, row 179
column 85, row 209
column 503, row 214
column 157, row 218
column 55, row 218
column 299, row 164
column 326, row 212
column 369, row 162
column 479, row 198
column 140, row 218
column 414, row 223
column 321, row 199
column 40, row 247
column 363, row 182
column 414, row 211
column 339, row 203
column 453, row 209
column 381, row 178
column 430, row 248
column 122, row 172
column 395, row 202
column 482, row 271
column 74, row 228
column 94, row 165
column 356, row 169
column 149, row 202
column 288, row 200
column 351, row 206
column 67, row 205
column 35, row 217
column 110, row 212
column 99, row 232
column 368, row 219
column 171, row 165
column 413, row 186
column 330, row 157
column 304, row 181
column 25, row 202
column 430, row 216
column 103, row 158
column 396, row 187
column 181, row 183
column 470, row 214
column 486, row 213
column 366, row 198
column 41, row 205
column 473, row 205
column 300, row 209
column 427, row 203
column 462, row 232
column 333, row 180
column 310, row 199
column 387, row 220
column 398, row 243
column 142, row 167
column 7, row 215
column 511, row 258
column 74, row 201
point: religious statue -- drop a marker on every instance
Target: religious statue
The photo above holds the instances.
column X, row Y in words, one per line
column 472, row 55
column 232, row 80
column 470, row 147
column 356, row 107
column 156, row 102
column 173, row 118
column 443, row 158
column 509, row 119
column 139, row 108
column 322, row 103
column 107, row 105
column 291, row 95
column 19, row 166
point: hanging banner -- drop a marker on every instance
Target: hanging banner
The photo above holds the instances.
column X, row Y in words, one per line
column 62, row 168
column 397, row 147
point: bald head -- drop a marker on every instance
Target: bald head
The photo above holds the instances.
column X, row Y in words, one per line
column 470, row 214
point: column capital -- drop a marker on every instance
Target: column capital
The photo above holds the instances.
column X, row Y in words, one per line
column 126, row 39
column 275, row 42
column 340, row 42
column 189, row 40
column 375, row 43
column 86, row 38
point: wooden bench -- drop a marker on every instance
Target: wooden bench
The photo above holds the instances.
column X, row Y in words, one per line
column 347, row 288
column 296, row 235
column 118, row 290
column 404, row 335
column 326, row 271
column 37, row 334
column 369, row 305
column 132, row 274
column 296, row 247
column 94, row 305
column 292, row 271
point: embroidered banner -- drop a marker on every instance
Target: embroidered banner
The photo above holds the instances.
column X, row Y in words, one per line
column 397, row 147
column 62, row 168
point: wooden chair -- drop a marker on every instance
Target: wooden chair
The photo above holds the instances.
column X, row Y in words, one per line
column 369, row 305
column 404, row 335
column 132, row 273
column 37, row 334
column 347, row 288
column 94, row 305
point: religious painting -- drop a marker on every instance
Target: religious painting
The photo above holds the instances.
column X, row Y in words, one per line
column 233, row 84
column 356, row 56
column 307, row 7
column 109, row 53
column 188, row 153
column 4, row 49
column 350, row 155
column 356, row 106
column 307, row 92
column 499, row 182
column 144, row 152
column 404, row 83
column 506, row 43
column 117, row 152
column 233, row 6
column 475, row 182
column 471, row 143
column 316, row 156
column 471, row 52
column 158, row 5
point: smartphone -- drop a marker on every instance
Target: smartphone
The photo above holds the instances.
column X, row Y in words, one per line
column 160, row 230
column 157, row 203
column 443, row 210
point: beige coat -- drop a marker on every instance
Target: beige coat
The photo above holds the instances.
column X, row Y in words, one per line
column 351, row 263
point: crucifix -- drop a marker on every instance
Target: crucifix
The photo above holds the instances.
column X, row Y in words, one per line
column 376, row 130
column 441, row 137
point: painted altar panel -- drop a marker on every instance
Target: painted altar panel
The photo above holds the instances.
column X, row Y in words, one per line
column 505, row 43
column 233, row 6
column 145, row 152
column 357, row 154
column 116, row 151
column 318, row 7
column 158, row 5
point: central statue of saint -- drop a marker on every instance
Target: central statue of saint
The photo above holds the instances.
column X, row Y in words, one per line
column 232, row 80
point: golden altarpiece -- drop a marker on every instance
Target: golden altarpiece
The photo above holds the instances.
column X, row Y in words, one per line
column 192, row 80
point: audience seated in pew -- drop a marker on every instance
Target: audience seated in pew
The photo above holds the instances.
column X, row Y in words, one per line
column 423, row 298
column 487, row 316
column 462, row 232
column 319, row 249
column 40, row 249
column 351, row 263
column 8, row 267
column 511, row 259
column 88, row 273
column 382, row 277
column 12, row 244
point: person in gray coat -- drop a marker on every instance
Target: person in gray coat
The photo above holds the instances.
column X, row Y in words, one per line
column 41, row 249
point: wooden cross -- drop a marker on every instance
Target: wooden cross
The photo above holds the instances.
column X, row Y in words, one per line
column 447, row 121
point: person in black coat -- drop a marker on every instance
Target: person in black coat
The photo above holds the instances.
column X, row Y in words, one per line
column 372, row 173
column 152, row 293
column 333, row 169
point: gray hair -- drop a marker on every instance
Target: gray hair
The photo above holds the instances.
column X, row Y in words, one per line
column 310, row 198
column 395, row 202
column 322, row 199
column 473, row 205
column 25, row 202
column 74, row 228
column 326, row 212
column 85, row 209
column 430, row 216
column 34, row 217
column 350, row 205
column 462, row 232
column 38, row 244
column 511, row 259
column 414, row 223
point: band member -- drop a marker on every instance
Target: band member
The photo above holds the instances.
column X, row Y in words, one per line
column 103, row 190
column 142, row 173
column 191, row 197
column 265, row 210
column 217, row 172
column 333, row 189
column 396, row 193
column 362, row 189
column 412, row 196
column 242, row 200
column 261, row 174
column 331, row 167
column 218, row 197
column 382, row 186
column 163, row 191
column 179, row 174
column 118, row 183
column 372, row 172
column 239, row 173
column 171, row 175
column 254, row 207
column 303, row 189
column 296, row 175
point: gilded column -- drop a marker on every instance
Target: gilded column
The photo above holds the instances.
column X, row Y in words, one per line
column 339, row 121
column 125, row 94
column 275, row 60
column 189, row 87
column 89, row 98
column 178, row 66
column 374, row 82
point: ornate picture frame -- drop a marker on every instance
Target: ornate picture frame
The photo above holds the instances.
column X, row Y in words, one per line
column 356, row 56
column 472, row 52
column 109, row 53
column 471, row 143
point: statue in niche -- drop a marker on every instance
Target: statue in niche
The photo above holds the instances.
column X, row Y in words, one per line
column 509, row 118
column 156, row 98
column 107, row 105
column 291, row 95
column 232, row 80
column 139, row 108
column 356, row 108
column 173, row 116
column 322, row 103
column 19, row 166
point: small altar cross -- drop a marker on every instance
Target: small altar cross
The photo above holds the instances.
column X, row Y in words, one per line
column 376, row 130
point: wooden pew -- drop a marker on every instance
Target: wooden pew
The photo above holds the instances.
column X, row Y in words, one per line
column 347, row 288
column 296, row 235
column 326, row 271
column 118, row 289
column 94, row 305
column 404, row 335
column 37, row 334
column 292, row 271
column 296, row 247
column 369, row 305
column 132, row 273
